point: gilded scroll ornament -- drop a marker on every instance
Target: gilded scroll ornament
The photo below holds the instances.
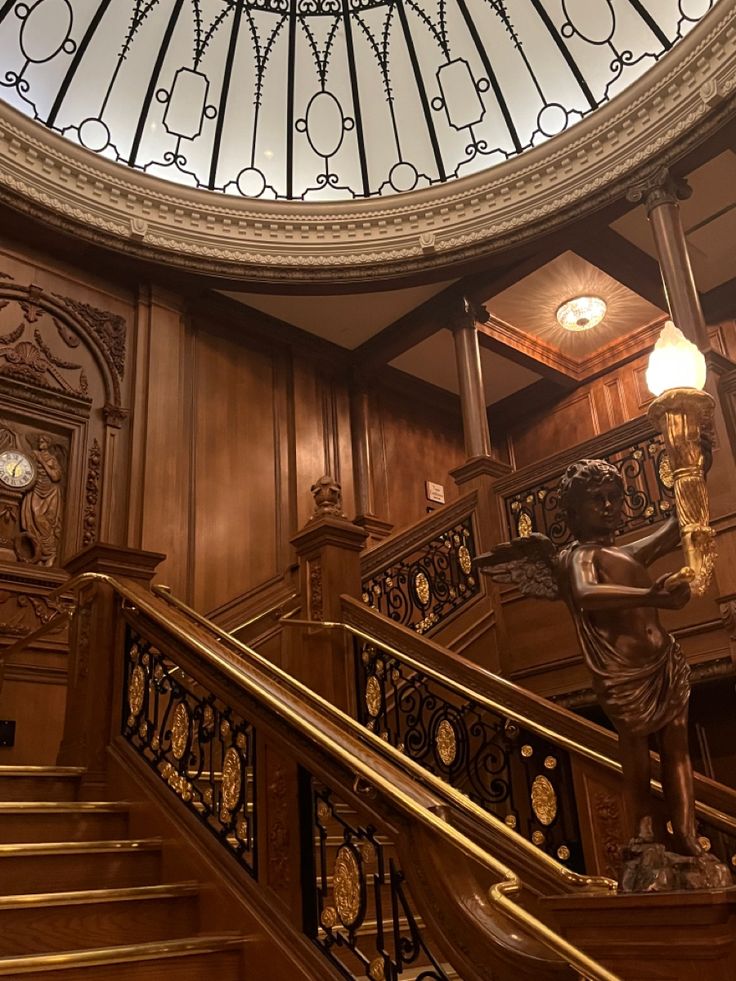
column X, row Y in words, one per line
column 544, row 800
column 347, row 886
column 180, row 731
column 328, row 919
column 665, row 472
column 446, row 742
column 136, row 690
column 377, row 971
column 466, row 563
column 231, row 779
column 421, row 585
column 524, row 526
column 373, row 696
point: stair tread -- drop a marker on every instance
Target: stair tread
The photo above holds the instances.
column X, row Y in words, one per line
column 69, row 847
column 95, row 956
column 77, row 897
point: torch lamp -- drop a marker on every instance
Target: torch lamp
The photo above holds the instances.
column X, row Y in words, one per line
column 682, row 412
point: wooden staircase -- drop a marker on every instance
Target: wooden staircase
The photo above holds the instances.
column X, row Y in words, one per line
column 80, row 898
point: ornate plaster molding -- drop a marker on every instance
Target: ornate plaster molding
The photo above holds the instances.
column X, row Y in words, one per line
column 672, row 108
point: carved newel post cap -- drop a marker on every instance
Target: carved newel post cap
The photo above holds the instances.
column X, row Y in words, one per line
column 327, row 494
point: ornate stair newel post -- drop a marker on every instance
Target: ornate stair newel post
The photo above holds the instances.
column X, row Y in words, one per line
column 95, row 675
column 329, row 549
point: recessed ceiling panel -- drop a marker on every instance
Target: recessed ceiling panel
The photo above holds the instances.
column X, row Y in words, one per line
column 324, row 99
column 531, row 306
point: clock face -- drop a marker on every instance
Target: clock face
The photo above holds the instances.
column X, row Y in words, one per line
column 16, row 470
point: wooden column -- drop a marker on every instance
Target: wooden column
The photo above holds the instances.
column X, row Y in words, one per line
column 660, row 193
column 470, row 380
column 329, row 548
column 365, row 494
column 94, row 657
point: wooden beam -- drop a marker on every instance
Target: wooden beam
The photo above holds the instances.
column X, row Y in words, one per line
column 624, row 262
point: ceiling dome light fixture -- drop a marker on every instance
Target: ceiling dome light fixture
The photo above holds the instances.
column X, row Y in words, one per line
column 581, row 313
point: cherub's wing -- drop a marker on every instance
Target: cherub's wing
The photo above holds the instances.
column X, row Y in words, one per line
column 529, row 563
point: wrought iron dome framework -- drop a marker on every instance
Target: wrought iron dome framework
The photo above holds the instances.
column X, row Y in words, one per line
column 324, row 99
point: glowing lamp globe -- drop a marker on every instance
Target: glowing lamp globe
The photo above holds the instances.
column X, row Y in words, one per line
column 581, row 313
column 675, row 362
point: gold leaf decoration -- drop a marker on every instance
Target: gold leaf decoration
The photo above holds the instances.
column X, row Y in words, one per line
column 464, row 558
column 544, row 801
column 329, row 917
column 446, row 742
column 563, row 853
column 421, row 584
column 665, row 472
column 232, row 779
column 373, row 696
column 136, row 690
column 538, row 838
column 347, row 886
column 377, row 971
column 179, row 731
column 524, row 525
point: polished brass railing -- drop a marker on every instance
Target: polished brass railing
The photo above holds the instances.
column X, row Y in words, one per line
column 327, row 747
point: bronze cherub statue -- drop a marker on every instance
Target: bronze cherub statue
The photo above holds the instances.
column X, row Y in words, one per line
column 640, row 675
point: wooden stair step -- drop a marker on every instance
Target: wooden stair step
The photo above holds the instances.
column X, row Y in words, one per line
column 187, row 959
column 43, row 783
column 61, row 866
column 50, row 922
column 29, row 821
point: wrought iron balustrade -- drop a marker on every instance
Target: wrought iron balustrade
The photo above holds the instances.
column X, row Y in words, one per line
column 362, row 916
column 433, row 580
column 203, row 749
column 511, row 772
column 648, row 494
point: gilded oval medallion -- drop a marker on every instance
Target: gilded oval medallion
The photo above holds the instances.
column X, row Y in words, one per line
column 466, row 563
column 373, row 696
column 524, row 525
column 446, row 742
column 232, row 779
column 347, row 882
column 180, row 731
column 136, row 690
column 421, row 584
column 544, row 801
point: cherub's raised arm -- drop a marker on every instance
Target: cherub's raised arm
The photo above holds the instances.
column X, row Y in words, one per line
column 652, row 547
column 588, row 593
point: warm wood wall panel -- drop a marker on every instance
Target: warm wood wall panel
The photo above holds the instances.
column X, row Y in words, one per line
column 413, row 442
column 234, row 463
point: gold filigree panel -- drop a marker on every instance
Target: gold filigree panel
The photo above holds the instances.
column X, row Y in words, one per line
column 348, row 886
column 544, row 800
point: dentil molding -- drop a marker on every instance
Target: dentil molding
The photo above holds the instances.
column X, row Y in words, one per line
column 672, row 108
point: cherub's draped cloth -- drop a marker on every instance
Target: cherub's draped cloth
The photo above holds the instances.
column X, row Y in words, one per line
column 644, row 697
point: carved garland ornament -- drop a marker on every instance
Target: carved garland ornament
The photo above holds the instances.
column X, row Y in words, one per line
column 674, row 106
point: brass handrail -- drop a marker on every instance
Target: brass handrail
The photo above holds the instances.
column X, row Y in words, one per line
column 726, row 821
column 262, row 614
column 498, row 894
column 438, row 785
column 23, row 642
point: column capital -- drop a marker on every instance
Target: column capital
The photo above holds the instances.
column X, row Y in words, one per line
column 465, row 312
column 658, row 186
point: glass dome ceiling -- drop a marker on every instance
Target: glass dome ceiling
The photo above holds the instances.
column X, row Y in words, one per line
column 324, row 99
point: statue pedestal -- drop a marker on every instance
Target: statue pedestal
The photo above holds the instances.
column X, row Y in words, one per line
column 649, row 867
column 671, row 936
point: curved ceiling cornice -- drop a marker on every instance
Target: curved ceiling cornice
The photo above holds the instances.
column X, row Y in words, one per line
column 659, row 117
column 325, row 100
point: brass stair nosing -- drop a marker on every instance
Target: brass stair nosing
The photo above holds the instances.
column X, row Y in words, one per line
column 81, row 897
column 63, row 806
column 70, row 847
column 42, row 771
column 156, row 950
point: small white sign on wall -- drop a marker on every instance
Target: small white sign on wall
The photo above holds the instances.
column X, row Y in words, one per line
column 435, row 492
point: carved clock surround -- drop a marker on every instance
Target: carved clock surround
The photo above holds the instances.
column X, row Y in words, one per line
column 672, row 108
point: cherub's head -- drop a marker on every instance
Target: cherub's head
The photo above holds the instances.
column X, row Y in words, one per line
column 591, row 493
